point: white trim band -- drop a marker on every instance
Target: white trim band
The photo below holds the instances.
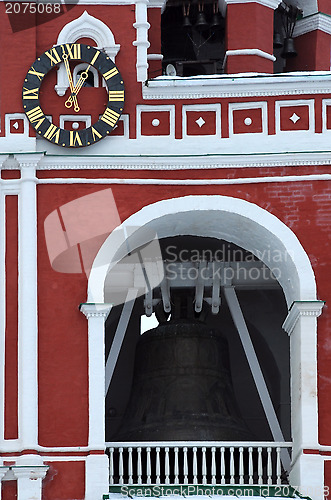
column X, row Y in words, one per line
column 189, row 182
column 249, row 52
column 318, row 21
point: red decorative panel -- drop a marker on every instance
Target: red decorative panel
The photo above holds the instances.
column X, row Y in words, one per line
column 119, row 128
column 74, row 124
column 17, row 126
column 11, row 330
column 155, row 123
column 201, row 122
column 294, row 117
column 247, row 121
column 328, row 117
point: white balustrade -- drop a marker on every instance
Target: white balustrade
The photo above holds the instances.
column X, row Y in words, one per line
column 227, row 463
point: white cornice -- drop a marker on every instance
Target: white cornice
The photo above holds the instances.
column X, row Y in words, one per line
column 238, row 85
column 184, row 162
column 318, row 21
column 302, row 308
column 273, row 4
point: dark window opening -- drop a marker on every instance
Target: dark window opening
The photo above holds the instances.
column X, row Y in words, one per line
column 192, row 38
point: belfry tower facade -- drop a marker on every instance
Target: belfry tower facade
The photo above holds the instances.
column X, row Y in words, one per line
column 165, row 248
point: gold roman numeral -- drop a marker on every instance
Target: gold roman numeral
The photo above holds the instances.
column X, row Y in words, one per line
column 52, row 132
column 39, row 75
column 110, row 73
column 73, row 50
column 96, row 135
column 74, row 138
column 30, row 93
column 110, row 117
column 95, row 57
column 54, row 56
column 116, row 95
column 36, row 115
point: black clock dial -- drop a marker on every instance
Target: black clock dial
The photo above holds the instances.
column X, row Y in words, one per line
column 108, row 116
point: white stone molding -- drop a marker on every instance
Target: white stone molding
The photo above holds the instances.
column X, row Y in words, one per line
column 248, row 52
column 303, row 308
column 154, row 57
column 85, row 26
column 145, row 108
column 29, row 472
column 85, row 118
column 180, row 161
column 249, row 105
column 317, row 21
column 166, row 87
column 27, row 305
column 325, row 104
column 272, row 4
column 142, row 26
column 202, row 107
column 298, row 102
column 96, row 315
column 16, row 116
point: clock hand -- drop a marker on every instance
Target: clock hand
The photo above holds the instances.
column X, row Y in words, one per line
column 73, row 97
column 80, row 83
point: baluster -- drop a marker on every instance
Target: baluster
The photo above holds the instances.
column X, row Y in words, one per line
column 241, row 465
column 204, row 466
column 213, row 465
column 185, row 465
column 148, row 465
column 130, row 467
column 269, row 466
column 120, row 466
column 259, row 465
column 176, row 471
column 278, row 466
column 139, row 465
column 195, row 466
column 222, row 465
column 167, row 466
column 111, row 465
column 158, row 465
column 231, row 465
column 250, row 465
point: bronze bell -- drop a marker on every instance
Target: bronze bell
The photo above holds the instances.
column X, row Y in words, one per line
column 201, row 22
column 187, row 25
column 182, row 387
column 278, row 42
column 289, row 49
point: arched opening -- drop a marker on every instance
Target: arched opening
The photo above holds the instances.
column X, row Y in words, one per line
column 213, row 222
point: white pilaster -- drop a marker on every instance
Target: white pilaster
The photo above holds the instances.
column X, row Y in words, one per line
column 96, row 477
column 301, row 325
column 308, row 474
column 27, row 301
column 142, row 43
column 29, row 472
column 96, row 315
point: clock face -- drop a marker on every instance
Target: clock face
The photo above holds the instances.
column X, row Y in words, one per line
column 72, row 102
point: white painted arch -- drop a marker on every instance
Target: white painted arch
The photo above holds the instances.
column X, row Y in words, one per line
column 256, row 230
column 231, row 219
